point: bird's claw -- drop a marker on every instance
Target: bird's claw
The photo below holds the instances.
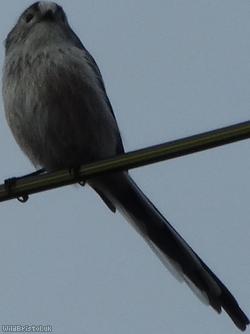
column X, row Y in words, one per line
column 82, row 183
column 75, row 172
column 23, row 198
column 9, row 183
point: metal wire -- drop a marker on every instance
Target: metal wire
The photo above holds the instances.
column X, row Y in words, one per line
column 23, row 187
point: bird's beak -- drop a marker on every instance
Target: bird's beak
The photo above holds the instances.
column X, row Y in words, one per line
column 47, row 9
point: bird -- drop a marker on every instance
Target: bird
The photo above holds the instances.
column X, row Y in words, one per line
column 58, row 110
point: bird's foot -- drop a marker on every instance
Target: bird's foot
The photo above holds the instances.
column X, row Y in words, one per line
column 9, row 183
column 75, row 172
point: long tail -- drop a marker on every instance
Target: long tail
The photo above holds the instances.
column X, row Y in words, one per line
column 121, row 192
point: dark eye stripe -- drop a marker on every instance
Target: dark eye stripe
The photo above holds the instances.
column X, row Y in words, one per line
column 29, row 17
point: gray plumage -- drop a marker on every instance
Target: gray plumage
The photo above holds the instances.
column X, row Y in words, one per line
column 58, row 110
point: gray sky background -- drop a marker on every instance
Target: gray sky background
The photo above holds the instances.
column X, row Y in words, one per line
column 172, row 68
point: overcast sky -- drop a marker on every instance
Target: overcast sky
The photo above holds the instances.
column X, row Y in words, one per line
column 172, row 68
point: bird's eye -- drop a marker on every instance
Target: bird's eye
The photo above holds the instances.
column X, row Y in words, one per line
column 29, row 17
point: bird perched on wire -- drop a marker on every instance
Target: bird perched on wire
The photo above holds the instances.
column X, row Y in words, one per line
column 58, row 110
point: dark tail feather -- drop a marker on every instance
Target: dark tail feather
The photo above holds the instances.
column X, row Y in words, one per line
column 175, row 253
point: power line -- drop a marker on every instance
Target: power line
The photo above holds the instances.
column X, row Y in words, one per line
column 23, row 187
